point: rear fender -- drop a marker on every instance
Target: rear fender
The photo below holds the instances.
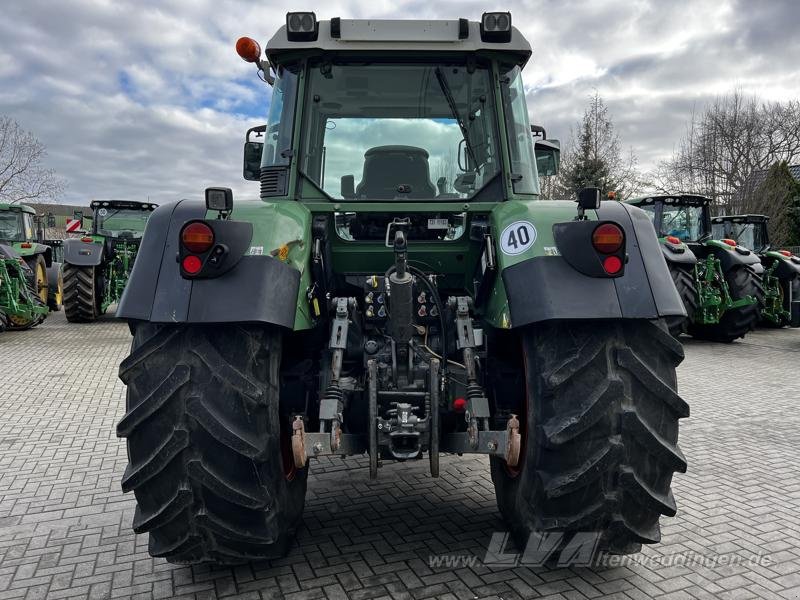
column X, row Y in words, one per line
column 679, row 254
column 257, row 287
column 730, row 256
column 538, row 284
column 787, row 268
column 83, row 254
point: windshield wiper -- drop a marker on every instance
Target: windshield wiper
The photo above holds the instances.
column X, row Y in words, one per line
column 448, row 94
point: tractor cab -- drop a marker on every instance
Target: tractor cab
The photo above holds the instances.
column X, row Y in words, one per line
column 17, row 224
column 780, row 269
column 749, row 231
column 120, row 219
column 684, row 218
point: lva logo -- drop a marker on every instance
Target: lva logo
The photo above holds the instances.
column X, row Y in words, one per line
column 575, row 551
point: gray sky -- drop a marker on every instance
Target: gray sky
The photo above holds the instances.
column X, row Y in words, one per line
column 138, row 99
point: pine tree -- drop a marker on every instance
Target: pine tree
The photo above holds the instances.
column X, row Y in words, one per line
column 596, row 159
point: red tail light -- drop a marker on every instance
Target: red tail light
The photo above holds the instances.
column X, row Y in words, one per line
column 87, row 239
column 729, row 241
column 612, row 265
column 608, row 238
column 673, row 240
column 459, row 405
column 26, row 245
column 785, row 252
column 191, row 264
column 197, row 237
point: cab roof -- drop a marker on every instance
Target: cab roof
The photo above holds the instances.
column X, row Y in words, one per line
column 398, row 35
column 16, row 208
column 693, row 199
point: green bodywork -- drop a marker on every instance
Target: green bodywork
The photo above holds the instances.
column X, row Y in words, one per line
column 17, row 301
column 23, row 237
column 287, row 225
column 117, row 268
column 713, row 293
column 751, row 231
column 285, row 220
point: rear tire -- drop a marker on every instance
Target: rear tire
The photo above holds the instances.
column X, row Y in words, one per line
column 684, row 283
column 55, row 278
column 600, row 442
column 81, row 294
column 207, row 453
column 39, row 283
column 735, row 323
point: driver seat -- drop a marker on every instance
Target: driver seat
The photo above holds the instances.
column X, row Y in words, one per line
column 387, row 167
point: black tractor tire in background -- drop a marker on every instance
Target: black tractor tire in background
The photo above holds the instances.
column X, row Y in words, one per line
column 55, row 281
column 81, row 293
column 735, row 323
column 209, row 454
column 600, row 442
column 794, row 307
column 687, row 290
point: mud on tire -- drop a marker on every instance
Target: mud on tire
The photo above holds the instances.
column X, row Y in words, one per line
column 601, row 435
column 204, row 443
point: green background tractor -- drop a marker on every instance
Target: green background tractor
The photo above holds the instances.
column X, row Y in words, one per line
column 780, row 303
column 20, row 229
column 97, row 265
column 717, row 280
column 21, row 306
column 398, row 291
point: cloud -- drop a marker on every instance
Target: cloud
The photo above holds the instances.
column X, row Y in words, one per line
column 146, row 99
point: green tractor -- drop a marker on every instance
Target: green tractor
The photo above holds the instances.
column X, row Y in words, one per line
column 717, row 280
column 22, row 304
column 98, row 264
column 399, row 292
column 21, row 307
column 780, row 273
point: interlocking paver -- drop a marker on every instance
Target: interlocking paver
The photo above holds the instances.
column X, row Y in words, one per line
column 65, row 525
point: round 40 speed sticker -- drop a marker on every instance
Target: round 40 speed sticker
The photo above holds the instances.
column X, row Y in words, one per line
column 517, row 237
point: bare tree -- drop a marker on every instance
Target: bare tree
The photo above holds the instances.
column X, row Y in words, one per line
column 593, row 158
column 731, row 139
column 22, row 176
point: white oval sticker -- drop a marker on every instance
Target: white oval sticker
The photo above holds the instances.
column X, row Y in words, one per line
column 517, row 237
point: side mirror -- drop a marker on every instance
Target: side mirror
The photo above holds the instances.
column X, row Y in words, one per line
column 548, row 156
column 348, row 186
column 252, row 160
column 219, row 199
column 51, row 220
column 589, row 199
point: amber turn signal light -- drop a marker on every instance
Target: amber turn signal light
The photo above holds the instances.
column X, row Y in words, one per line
column 248, row 49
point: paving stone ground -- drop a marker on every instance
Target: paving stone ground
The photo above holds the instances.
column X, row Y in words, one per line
column 65, row 524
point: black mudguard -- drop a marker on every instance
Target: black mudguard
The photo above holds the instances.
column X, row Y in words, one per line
column 730, row 259
column 686, row 257
column 260, row 289
column 547, row 287
column 83, row 254
column 7, row 251
column 787, row 270
column 45, row 251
